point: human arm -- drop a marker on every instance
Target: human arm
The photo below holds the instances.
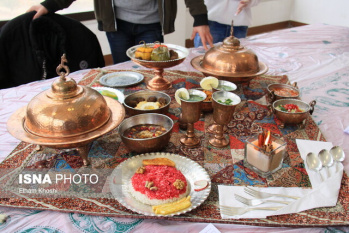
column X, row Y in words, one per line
column 198, row 10
column 246, row 3
column 205, row 35
column 49, row 6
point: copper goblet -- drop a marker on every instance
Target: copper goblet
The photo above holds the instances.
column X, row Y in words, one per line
column 222, row 115
column 222, row 86
column 191, row 110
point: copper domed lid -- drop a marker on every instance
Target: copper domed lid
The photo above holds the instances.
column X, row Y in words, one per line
column 229, row 59
column 67, row 115
column 66, row 109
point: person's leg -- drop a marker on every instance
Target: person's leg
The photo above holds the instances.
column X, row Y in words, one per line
column 240, row 31
column 120, row 41
column 149, row 33
column 197, row 41
column 218, row 31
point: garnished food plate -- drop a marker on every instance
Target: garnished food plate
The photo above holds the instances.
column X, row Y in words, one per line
column 181, row 51
column 107, row 91
column 121, row 79
column 193, row 172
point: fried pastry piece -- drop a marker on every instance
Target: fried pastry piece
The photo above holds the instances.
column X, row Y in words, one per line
column 159, row 161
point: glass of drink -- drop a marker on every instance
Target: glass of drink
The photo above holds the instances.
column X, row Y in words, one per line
column 191, row 109
column 224, row 104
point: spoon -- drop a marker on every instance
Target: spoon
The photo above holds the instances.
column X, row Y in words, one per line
column 337, row 154
column 314, row 163
column 326, row 160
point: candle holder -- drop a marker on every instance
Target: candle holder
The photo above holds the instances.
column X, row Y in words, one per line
column 264, row 159
column 222, row 115
column 191, row 110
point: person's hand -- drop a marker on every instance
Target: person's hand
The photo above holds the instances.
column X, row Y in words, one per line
column 40, row 10
column 242, row 5
column 205, row 35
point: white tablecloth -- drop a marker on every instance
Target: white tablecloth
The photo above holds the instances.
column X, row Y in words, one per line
column 314, row 56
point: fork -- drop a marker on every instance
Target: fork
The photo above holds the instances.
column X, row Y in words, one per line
column 262, row 195
column 232, row 211
column 254, row 202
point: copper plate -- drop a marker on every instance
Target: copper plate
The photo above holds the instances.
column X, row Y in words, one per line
column 197, row 61
column 15, row 126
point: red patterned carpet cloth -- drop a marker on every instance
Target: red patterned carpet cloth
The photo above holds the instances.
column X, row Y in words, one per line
column 225, row 165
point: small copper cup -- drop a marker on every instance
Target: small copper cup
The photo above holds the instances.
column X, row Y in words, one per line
column 190, row 114
column 222, row 86
column 222, row 115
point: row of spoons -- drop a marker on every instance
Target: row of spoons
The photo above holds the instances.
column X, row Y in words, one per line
column 326, row 159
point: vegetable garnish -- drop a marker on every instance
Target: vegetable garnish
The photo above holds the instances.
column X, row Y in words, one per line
column 200, row 185
column 289, row 108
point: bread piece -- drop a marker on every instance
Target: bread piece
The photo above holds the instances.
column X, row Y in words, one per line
column 159, row 161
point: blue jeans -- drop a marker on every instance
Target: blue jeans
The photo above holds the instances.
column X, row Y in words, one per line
column 221, row 31
column 130, row 34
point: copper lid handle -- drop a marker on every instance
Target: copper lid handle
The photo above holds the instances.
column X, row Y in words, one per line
column 232, row 28
column 61, row 66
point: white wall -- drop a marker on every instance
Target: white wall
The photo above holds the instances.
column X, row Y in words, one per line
column 271, row 11
column 332, row 12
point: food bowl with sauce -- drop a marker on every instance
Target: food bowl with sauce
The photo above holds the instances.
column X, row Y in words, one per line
column 149, row 132
column 147, row 101
column 282, row 91
column 286, row 110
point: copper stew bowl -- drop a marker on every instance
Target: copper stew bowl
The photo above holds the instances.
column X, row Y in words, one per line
column 145, row 94
column 293, row 118
column 147, row 144
column 272, row 87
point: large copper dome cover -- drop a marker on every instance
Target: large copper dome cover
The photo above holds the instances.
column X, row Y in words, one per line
column 66, row 110
column 66, row 116
column 230, row 61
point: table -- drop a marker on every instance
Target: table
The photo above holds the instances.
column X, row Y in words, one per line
column 319, row 64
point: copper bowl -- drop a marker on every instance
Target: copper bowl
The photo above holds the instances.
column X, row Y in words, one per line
column 274, row 96
column 147, row 144
column 230, row 61
column 293, row 118
column 129, row 104
column 206, row 106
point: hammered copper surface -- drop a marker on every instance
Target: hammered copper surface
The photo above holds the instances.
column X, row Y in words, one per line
column 66, row 116
column 222, row 115
column 293, row 118
column 159, row 83
column 50, row 115
column 145, row 145
column 230, row 61
column 146, row 94
column 191, row 111
column 273, row 96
